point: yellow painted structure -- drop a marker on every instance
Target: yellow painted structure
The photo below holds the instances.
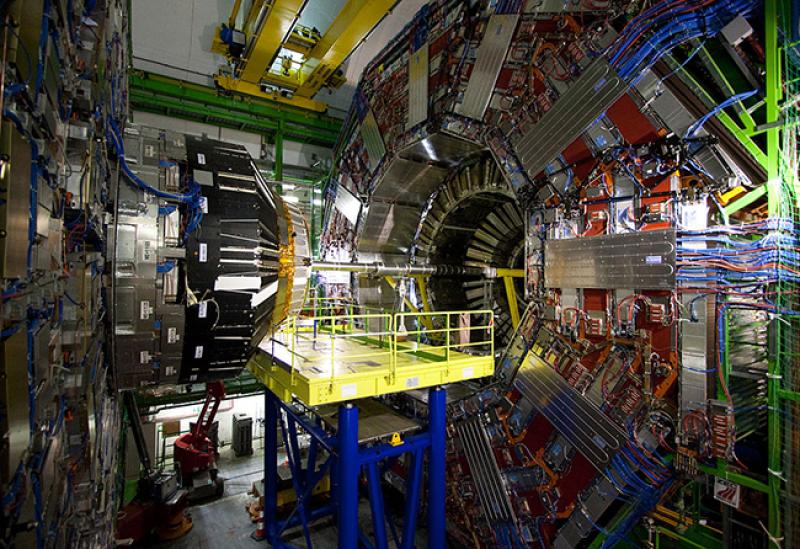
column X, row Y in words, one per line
column 271, row 27
column 349, row 357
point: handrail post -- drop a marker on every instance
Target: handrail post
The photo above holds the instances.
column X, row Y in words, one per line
column 447, row 338
column 292, row 332
column 491, row 332
column 393, row 329
column 333, row 349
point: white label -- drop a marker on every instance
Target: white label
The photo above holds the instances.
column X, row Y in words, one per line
column 727, row 492
column 144, row 357
column 193, row 377
column 172, row 335
column 169, row 370
column 238, row 283
column 201, row 158
column 202, row 312
column 653, row 260
column 349, row 390
column 204, row 204
column 198, row 351
column 144, row 310
column 412, row 382
column 203, row 252
column 149, row 252
column 467, row 373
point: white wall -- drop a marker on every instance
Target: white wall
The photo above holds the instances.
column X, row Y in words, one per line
column 173, row 37
column 252, row 405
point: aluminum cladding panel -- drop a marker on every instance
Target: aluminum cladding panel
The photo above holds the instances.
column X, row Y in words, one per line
column 642, row 260
column 589, row 97
column 488, row 62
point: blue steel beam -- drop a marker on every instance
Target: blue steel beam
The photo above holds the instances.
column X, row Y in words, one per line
column 348, row 468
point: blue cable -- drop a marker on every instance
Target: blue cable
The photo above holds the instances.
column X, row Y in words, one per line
column 694, row 128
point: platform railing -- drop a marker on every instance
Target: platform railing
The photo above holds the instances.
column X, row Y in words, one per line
column 374, row 330
column 386, row 338
column 321, row 307
column 437, row 341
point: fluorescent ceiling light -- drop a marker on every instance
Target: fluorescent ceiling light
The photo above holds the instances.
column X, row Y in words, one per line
column 291, row 199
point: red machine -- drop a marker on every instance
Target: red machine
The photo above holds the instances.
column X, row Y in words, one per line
column 195, row 452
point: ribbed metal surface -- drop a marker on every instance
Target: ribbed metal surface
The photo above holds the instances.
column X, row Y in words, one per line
column 485, row 472
column 417, row 87
column 582, row 423
column 372, row 140
column 697, row 355
column 591, row 95
column 488, row 62
column 644, row 260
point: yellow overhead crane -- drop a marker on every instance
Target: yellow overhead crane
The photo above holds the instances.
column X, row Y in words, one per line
column 269, row 27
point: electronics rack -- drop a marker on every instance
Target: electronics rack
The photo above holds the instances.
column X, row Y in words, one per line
column 63, row 69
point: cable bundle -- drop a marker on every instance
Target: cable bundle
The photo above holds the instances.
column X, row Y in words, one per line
column 193, row 199
column 641, row 492
column 653, row 33
column 753, row 259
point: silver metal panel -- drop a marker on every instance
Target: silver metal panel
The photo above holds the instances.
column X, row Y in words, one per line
column 643, row 260
column 486, row 476
column 580, row 421
column 417, row 87
column 559, row 7
column 441, row 148
column 14, row 214
column 376, row 421
column 488, row 61
column 372, row 140
column 697, row 339
column 589, row 97
column 599, row 499
column 13, row 388
column 389, row 228
column 348, row 204
column 408, row 181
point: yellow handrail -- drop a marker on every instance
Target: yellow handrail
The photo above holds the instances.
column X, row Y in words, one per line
column 342, row 327
column 445, row 316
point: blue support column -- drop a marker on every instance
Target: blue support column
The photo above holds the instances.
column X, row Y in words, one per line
column 376, row 503
column 413, row 482
column 348, row 467
column 270, row 465
column 437, row 427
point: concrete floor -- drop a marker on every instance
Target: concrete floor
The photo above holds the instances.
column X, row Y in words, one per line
column 224, row 523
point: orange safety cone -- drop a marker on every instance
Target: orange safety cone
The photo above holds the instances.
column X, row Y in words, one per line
column 259, row 534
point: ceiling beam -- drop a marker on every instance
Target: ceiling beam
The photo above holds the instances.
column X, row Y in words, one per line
column 354, row 22
column 269, row 37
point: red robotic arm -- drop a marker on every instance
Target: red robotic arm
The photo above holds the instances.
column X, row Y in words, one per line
column 194, row 451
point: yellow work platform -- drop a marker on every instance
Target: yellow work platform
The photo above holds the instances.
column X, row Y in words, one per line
column 323, row 360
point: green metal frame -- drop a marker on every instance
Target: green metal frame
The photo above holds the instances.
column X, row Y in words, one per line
column 773, row 114
column 189, row 101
